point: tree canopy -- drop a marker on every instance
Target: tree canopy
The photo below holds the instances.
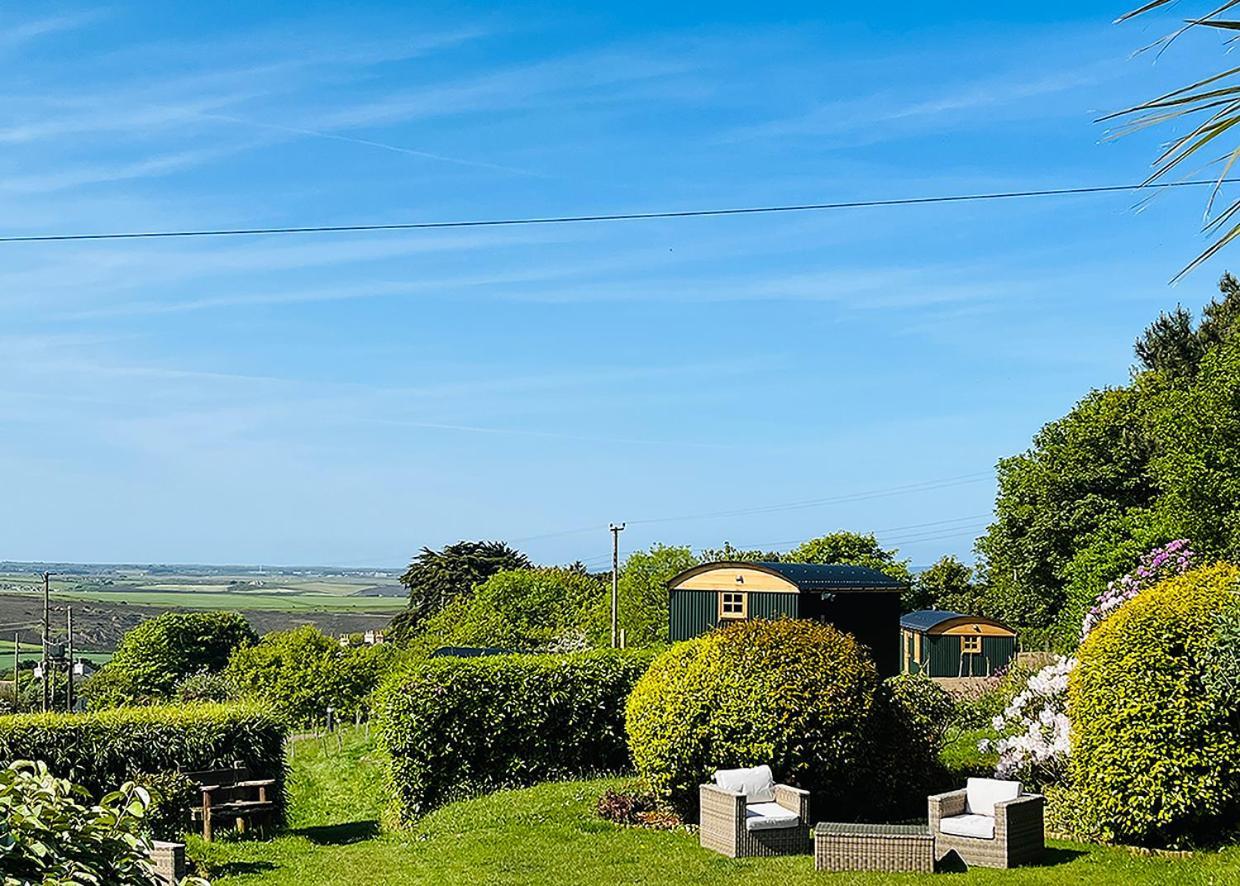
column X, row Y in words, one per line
column 156, row 655
column 1126, row 469
column 437, row 578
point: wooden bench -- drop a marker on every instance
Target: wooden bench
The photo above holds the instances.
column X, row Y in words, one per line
column 235, row 795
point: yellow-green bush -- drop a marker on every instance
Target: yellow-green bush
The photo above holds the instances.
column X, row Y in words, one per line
column 104, row 749
column 801, row 697
column 1155, row 756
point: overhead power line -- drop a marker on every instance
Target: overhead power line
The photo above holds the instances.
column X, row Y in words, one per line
column 615, row 217
column 922, row 486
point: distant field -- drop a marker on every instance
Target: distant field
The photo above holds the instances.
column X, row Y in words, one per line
column 279, row 593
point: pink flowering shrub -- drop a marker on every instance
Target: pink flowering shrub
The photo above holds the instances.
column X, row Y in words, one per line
column 1172, row 559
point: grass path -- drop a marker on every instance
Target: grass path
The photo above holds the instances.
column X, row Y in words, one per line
column 549, row 835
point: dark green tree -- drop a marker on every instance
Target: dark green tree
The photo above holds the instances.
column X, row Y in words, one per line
column 947, row 584
column 852, row 549
column 437, row 578
column 1170, row 345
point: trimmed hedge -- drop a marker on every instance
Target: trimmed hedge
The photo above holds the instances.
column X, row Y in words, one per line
column 1155, row 760
column 455, row 726
column 105, row 749
column 801, row 697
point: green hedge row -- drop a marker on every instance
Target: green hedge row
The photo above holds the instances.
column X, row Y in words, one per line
column 456, row 726
column 103, row 750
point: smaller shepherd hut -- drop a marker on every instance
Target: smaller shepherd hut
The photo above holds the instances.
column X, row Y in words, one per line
column 950, row 644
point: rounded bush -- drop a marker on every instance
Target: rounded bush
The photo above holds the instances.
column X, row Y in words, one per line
column 801, row 697
column 1155, row 759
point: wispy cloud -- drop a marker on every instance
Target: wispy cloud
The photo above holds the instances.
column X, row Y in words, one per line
column 24, row 32
column 93, row 174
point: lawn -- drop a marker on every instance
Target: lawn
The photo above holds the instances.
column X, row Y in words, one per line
column 550, row 835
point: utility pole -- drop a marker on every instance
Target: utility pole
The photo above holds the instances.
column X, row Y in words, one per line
column 47, row 581
column 616, row 529
column 69, row 690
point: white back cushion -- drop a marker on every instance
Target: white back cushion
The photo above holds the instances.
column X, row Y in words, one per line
column 757, row 784
column 981, row 794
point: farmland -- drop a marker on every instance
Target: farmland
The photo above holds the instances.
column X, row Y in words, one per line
column 108, row 600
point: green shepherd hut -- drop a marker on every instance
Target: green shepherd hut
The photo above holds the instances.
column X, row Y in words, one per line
column 863, row 602
column 950, row 644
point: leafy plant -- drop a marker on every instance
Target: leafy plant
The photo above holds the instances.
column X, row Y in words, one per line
column 454, row 726
column 154, row 657
column 1154, row 756
column 103, row 749
column 299, row 674
column 801, row 697
column 436, row 579
column 51, row 832
column 1205, row 111
column 172, row 796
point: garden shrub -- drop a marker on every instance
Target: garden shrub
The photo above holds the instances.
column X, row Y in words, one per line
column 299, row 674
column 926, row 706
column 172, row 796
column 531, row 610
column 154, row 657
column 104, row 749
column 211, row 686
column 454, row 726
column 53, row 832
column 801, row 697
column 1155, row 759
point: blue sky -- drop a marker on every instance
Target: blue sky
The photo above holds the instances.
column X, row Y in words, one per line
column 347, row 399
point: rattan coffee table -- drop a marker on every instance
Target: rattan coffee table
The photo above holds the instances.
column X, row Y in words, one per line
column 873, row 847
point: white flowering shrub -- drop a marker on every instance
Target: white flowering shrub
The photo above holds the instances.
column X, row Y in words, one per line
column 1033, row 729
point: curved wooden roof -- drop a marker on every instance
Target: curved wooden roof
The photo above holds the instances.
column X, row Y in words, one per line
column 941, row 621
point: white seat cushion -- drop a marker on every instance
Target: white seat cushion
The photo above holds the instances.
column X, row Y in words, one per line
column 757, row 784
column 766, row 816
column 979, row 826
column 981, row 794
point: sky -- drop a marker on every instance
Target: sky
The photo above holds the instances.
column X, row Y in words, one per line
column 347, row 399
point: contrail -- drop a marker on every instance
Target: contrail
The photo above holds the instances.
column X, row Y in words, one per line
column 316, row 133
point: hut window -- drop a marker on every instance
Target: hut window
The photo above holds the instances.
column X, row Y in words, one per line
column 733, row 605
column 971, row 644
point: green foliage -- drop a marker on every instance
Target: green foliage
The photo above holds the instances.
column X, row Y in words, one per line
column 522, row 609
column 51, row 832
column 853, row 549
column 946, row 584
column 1126, row 470
column 172, row 797
column 1083, row 471
column 436, row 579
column 801, row 697
column 205, row 686
column 642, row 589
column 1155, row 759
column 738, row 555
column 299, row 674
column 103, row 749
column 1170, row 345
column 927, row 706
column 453, row 726
column 156, row 655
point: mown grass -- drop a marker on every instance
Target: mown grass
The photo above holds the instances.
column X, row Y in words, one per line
column 549, row 835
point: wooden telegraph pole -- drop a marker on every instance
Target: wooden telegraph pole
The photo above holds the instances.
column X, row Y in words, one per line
column 69, row 690
column 616, row 529
column 47, row 580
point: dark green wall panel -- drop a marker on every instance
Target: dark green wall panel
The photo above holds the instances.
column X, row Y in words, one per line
column 692, row 613
column 772, row 605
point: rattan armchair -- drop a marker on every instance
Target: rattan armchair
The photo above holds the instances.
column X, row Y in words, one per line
column 1018, row 831
column 723, row 824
